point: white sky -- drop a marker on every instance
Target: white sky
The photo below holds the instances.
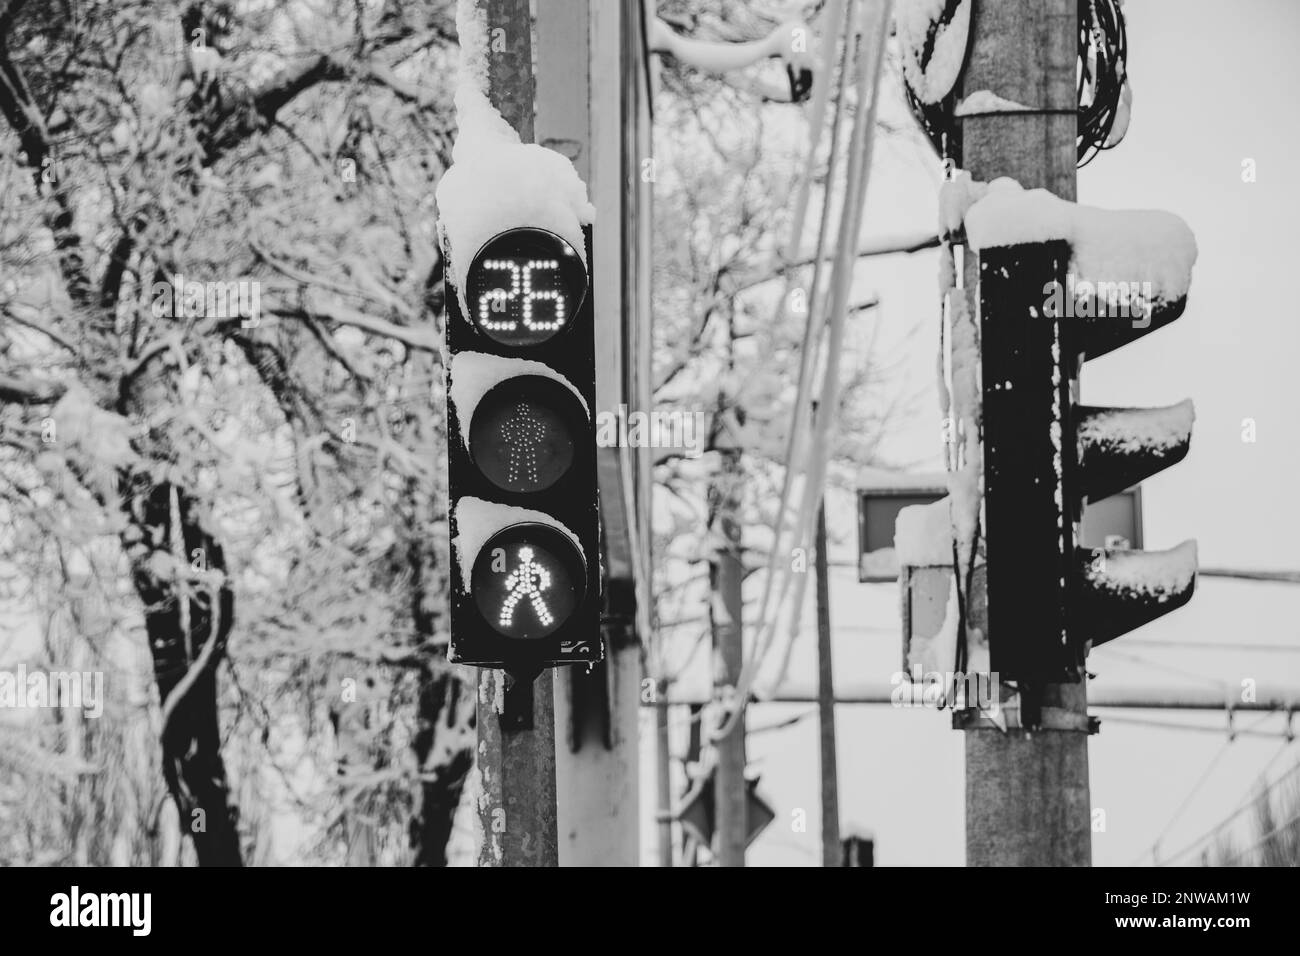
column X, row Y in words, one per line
column 1212, row 84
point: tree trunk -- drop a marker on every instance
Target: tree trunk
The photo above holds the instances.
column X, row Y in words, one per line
column 187, row 635
column 445, row 727
column 446, row 706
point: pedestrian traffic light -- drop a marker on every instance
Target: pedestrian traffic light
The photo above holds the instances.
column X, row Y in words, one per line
column 523, row 509
column 1046, row 456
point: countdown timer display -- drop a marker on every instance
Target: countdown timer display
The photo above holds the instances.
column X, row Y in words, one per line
column 528, row 580
column 522, row 434
column 524, row 287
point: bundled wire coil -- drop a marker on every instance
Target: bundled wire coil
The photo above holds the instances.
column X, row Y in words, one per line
column 1103, row 50
column 936, row 117
column 1102, row 81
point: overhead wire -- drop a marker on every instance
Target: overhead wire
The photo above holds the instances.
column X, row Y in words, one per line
column 837, row 314
column 845, row 17
column 1215, row 645
column 816, row 321
column 871, row 54
column 782, row 724
column 839, row 13
column 1197, row 728
column 1290, row 822
column 1196, row 788
column 814, row 315
column 1245, row 803
column 1167, row 668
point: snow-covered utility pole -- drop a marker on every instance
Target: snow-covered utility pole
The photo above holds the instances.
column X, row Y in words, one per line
column 1027, row 797
column 1048, row 286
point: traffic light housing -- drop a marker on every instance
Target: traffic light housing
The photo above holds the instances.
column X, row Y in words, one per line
column 1046, row 456
column 521, row 457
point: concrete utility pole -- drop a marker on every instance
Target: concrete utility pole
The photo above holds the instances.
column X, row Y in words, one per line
column 1027, row 801
column 832, row 853
column 728, row 573
column 596, row 712
column 516, row 749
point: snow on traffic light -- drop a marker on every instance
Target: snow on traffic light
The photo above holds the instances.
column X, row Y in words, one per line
column 521, row 456
column 1060, row 284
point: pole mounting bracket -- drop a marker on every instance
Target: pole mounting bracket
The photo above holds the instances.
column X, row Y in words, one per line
column 517, row 709
column 1052, row 718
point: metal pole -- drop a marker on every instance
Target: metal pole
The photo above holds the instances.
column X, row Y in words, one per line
column 516, row 717
column 694, row 738
column 1027, row 798
column 728, row 573
column 831, row 851
column 663, row 781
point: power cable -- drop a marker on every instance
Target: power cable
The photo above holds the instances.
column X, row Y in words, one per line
column 1199, row 728
column 1292, row 821
column 1167, row 668
column 810, row 334
column 1216, row 646
column 1246, row 802
column 858, row 169
column 835, row 310
column 781, row 724
column 1196, row 788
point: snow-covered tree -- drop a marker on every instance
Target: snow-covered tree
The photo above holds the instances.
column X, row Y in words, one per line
column 219, row 296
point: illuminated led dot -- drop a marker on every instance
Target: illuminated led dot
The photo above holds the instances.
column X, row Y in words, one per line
column 539, row 588
column 527, row 582
column 522, row 432
column 521, row 297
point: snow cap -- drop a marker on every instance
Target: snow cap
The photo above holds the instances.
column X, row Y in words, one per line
column 1133, row 430
column 478, row 520
column 1143, row 245
column 923, row 534
column 1155, row 574
column 496, row 182
column 474, row 374
column 913, row 21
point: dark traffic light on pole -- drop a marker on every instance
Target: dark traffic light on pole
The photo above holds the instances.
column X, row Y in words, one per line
column 521, row 456
column 1046, row 456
